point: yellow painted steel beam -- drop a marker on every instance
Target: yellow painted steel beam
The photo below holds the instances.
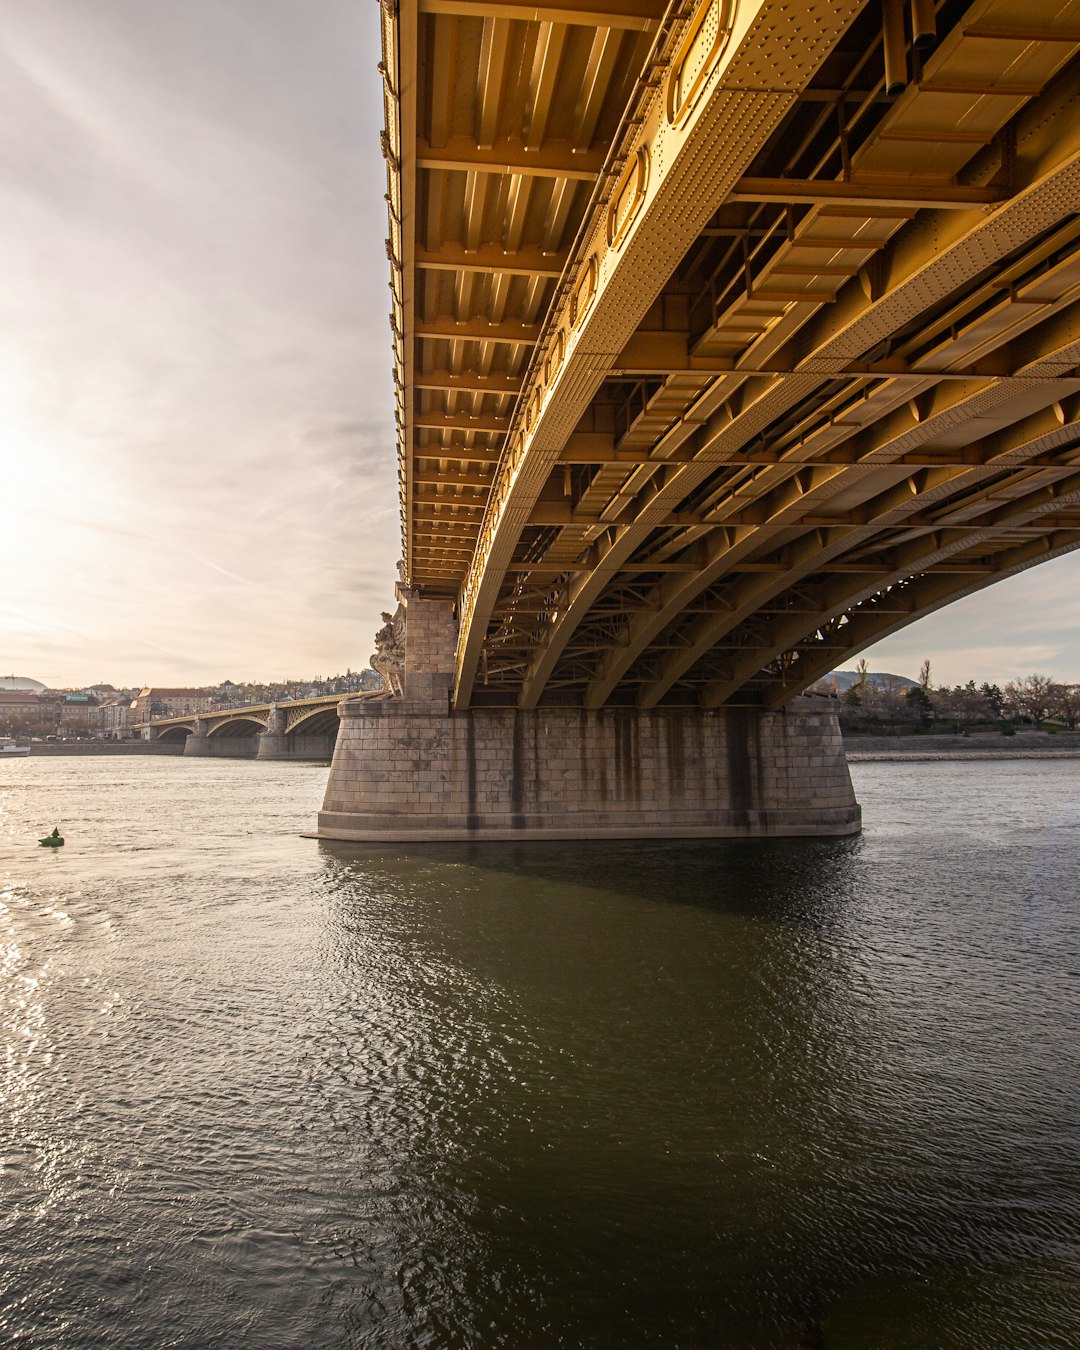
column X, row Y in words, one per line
column 436, row 511
column 466, row 454
column 907, row 192
column 512, row 156
column 544, row 79
column 494, row 51
column 479, row 422
column 430, row 503
column 556, row 513
column 477, row 330
column 468, row 382
column 665, row 352
column 523, row 262
column 1024, row 33
column 449, row 479
column 637, row 15
column 661, row 352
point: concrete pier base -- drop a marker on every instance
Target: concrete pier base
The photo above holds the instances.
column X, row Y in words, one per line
column 411, row 769
column 404, row 772
column 274, row 745
column 222, row 747
column 198, row 743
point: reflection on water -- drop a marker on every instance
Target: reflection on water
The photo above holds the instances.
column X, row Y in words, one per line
column 265, row 1092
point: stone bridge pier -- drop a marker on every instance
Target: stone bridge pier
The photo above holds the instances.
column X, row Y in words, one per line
column 411, row 768
column 219, row 746
column 280, row 741
column 249, row 737
column 274, row 742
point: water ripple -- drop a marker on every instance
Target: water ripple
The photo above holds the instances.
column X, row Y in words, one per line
column 262, row 1092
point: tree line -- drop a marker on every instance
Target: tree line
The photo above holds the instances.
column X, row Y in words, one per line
column 885, row 701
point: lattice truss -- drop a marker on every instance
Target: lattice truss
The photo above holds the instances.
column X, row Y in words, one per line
column 730, row 338
column 316, row 716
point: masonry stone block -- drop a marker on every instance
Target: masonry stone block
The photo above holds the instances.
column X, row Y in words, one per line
column 411, row 769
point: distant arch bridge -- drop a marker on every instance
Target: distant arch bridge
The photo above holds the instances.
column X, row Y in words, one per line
column 303, row 728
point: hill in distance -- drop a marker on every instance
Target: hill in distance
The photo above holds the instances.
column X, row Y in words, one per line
column 844, row 679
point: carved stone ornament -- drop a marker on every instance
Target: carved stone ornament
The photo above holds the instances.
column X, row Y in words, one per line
column 388, row 657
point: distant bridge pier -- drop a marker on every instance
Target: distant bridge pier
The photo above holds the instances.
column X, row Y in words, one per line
column 273, row 742
column 198, row 742
column 414, row 769
column 279, row 742
column 231, row 740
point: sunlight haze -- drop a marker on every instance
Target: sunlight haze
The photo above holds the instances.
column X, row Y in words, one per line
column 197, row 436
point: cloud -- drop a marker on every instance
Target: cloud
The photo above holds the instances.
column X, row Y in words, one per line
column 1030, row 622
column 199, row 390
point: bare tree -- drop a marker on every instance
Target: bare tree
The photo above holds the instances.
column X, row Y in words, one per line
column 1065, row 703
column 1029, row 697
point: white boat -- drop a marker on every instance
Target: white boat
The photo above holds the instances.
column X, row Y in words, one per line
column 8, row 747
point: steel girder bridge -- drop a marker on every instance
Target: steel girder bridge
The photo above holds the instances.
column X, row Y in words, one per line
column 730, row 337
column 297, row 717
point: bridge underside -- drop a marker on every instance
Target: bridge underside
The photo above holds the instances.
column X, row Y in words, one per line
column 730, row 338
column 724, row 354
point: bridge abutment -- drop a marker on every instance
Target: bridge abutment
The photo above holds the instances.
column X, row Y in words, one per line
column 402, row 773
column 413, row 769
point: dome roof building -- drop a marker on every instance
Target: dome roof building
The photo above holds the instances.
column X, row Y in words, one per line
column 20, row 684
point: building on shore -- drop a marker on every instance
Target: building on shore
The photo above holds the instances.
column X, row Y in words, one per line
column 115, row 719
column 156, row 702
column 20, row 711
column 79, row 715
column 20, row 684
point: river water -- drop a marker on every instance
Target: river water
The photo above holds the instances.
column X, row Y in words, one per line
column 266, row 1092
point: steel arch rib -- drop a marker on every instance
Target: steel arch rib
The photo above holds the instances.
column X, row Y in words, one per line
column 935, row 594
column 695, row 179
column 1029, row 435
column 922, row 554
column 1035, row 209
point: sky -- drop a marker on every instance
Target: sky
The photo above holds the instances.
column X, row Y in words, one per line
column 197, row 463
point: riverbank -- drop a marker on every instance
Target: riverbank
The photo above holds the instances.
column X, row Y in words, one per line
column 977, row 745
column 110, row 748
